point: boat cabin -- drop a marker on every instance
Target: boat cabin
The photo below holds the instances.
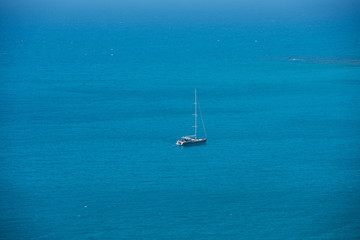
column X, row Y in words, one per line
column 185, row 139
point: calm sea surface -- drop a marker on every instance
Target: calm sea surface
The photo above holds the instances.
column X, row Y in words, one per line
column 90, row 114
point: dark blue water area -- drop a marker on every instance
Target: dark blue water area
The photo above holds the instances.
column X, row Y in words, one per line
column 90, row 116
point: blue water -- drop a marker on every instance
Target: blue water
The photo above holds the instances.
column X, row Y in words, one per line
column 91, row 111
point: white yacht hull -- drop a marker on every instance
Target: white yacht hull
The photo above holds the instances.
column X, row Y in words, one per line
column 192, row 142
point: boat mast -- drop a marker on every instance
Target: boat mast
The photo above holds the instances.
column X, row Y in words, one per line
column 195, row 114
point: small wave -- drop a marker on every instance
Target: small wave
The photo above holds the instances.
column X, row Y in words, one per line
column 331, row 60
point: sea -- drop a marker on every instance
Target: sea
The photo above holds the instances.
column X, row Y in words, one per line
column 91, row 109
